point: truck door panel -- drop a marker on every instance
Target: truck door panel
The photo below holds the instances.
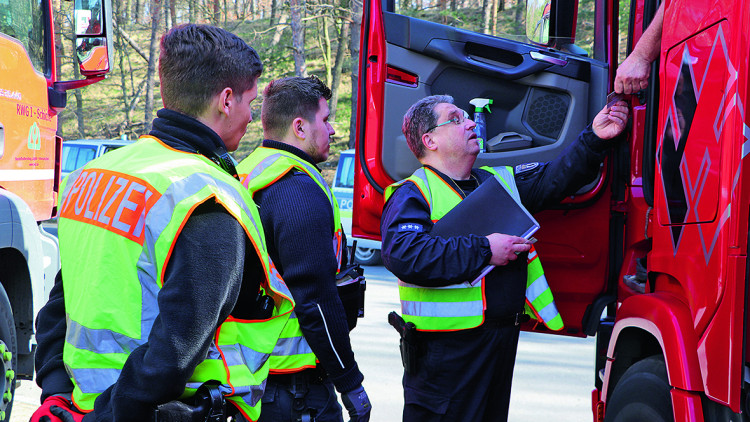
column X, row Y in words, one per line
column 695, row 183
column 542, row 96
column 547, row 101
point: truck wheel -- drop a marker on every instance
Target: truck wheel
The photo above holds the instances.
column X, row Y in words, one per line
column 642, row 394
column 367, row 256
column 7, row 356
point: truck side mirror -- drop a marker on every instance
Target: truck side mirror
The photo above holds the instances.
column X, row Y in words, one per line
column 537, row 21
column 93, row 30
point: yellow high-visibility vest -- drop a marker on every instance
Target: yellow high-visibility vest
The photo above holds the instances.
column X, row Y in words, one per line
column 461, row 306
column 130, row 206
column 260, row 169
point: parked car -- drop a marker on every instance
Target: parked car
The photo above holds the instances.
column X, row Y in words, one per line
column 76, row 153
column 367, row 252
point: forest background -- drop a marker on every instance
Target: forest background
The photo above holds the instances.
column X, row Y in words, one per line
column 292, row 37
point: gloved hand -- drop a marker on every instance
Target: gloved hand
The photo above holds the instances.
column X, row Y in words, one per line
column 357, row 404
column 56, row 409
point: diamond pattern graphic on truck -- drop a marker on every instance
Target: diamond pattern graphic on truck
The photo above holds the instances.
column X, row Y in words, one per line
column 676, row 133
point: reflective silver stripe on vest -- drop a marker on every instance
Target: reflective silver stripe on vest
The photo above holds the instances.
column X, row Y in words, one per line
column 548, row 312
column 290, row 346
column 237, row 354
column 420, row 173
column 213, row 352
column 107, row 341
column 94, row 380
column 250, row 395
column 276, row 281
column 538, row 287
column 443, row 309
column 68, row 186
column 450, row 286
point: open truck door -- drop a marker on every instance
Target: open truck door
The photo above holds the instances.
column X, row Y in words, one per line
column 544, row 92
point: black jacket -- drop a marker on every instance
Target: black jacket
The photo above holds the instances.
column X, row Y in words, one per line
column 298, row 222
column 207, row 275
column 416, row 257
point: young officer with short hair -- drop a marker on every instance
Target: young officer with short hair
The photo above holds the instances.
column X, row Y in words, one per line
column 301, row 221
column 163, row 254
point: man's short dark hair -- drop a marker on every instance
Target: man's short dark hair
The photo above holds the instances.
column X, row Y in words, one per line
column 420, row 117
column 198, row 61
column 288, row 98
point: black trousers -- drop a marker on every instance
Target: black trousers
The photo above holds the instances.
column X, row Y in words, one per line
column 462, row 376
column 300, row 397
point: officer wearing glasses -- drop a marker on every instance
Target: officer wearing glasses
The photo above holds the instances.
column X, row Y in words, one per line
column 467, row 335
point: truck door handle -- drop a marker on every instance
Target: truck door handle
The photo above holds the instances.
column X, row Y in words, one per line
column 541, row 57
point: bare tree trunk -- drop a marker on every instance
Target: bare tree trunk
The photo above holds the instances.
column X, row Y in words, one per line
column 324, row 39
column 279, row 30
column 172, row 13
column 493, row 18
column 191, row 11
column 337, row 68
column 123, row 7
column 298, row 37
column 137, row 11
column 356, row 23
column 167, row 18
column 152, row 57
column 486, row 13
column 217, row 12
column 520, row 8
column 274, row 10
column 120, row 46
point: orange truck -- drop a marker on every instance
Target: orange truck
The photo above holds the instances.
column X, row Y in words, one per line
column 30, row 98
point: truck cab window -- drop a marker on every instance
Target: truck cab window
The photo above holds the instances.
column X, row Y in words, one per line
column 585, row 26
column 501, row 18
column 22, row 20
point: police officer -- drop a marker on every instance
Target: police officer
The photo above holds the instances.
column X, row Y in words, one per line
column 163, row 256
column 467, row 335
column 301, row 221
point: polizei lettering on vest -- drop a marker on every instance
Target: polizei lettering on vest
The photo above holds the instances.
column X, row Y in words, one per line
column 113, row 201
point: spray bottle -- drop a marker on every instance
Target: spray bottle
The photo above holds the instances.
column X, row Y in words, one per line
column 481, row 129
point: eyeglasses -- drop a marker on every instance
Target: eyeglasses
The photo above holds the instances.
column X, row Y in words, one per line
column 457, row 120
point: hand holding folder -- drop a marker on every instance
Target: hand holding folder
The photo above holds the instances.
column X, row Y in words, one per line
column 491, row 208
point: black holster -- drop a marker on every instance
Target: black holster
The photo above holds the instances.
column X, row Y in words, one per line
column 409, row 343
column 207, row 405
column 351, row 285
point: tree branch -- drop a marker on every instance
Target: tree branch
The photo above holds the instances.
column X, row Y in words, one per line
column 130, row 42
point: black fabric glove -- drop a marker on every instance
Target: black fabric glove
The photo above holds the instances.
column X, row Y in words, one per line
column 67, row 414
column 357, row 404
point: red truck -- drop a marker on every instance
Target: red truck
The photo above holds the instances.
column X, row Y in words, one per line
column 31, row 95
column 651, row 257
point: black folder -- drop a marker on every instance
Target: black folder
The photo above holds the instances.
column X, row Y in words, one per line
column 490, row 208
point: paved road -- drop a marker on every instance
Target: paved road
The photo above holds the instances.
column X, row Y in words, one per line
column 553, row 377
